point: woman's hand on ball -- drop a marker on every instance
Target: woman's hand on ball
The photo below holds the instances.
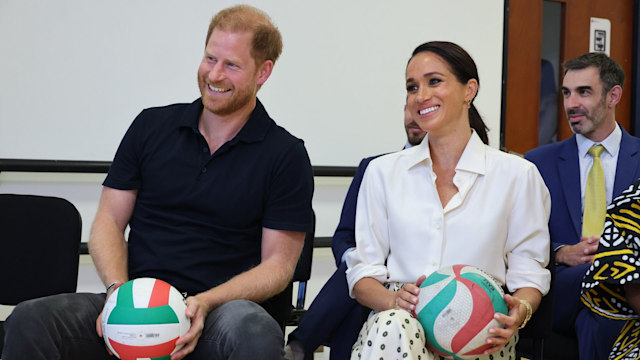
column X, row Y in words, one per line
column 500, row 336
column 197, row 312
column 407, row 297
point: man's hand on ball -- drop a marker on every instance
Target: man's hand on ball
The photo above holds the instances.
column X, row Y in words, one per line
column 197, row 312
column 110, row 290
column 99, row 331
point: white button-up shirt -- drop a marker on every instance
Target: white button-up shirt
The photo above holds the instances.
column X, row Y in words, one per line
column 497, row 221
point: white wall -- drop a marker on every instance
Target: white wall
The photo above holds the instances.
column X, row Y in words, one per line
column 74, row 73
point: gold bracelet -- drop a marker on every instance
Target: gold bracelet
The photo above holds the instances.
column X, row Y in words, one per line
column 527, row 305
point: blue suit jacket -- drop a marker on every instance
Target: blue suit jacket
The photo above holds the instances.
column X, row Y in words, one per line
column 559, row 167
column 345, row 236
column 558, row 164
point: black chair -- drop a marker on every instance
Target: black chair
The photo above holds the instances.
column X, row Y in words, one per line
column 537, row 339
column 39, row 248
column 301, row 275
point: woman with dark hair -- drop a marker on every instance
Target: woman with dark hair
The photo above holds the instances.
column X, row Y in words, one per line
column 450, row 200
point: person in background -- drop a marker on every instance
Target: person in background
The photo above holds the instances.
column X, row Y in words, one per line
column 418, row 208
column 611, row 287
column 334, row 317
column 548, row 119
column 218, row 200
column 591, row 88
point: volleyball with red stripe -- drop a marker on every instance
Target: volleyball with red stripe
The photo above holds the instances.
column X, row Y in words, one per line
column 456, row 307
column 143, row 319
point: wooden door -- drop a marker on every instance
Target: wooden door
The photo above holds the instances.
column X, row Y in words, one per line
column 524, row 39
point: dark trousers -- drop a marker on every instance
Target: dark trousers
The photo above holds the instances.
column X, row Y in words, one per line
column 596, row 334
column 566, row 299
column 333, row 318
column 64, row 327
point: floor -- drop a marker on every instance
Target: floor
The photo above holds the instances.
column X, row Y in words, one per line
column 320, row 354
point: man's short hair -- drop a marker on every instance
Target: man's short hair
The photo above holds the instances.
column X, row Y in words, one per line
column 611, row 73
column 267, row 41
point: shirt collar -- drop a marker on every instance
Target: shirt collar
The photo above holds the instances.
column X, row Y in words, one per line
column 611, row 143
column 254, row 130
column 472, row 158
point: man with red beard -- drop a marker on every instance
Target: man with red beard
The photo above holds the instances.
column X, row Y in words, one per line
column 217, row 198
column 592, row 87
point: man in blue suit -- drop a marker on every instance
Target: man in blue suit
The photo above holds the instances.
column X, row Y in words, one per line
column 592, row 87
column 333, row 316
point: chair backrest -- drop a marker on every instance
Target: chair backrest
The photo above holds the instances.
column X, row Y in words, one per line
column 39, row 247
column 303, row 268
column 301, row 275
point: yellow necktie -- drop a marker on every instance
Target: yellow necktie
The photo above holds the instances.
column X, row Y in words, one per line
column 595, row 197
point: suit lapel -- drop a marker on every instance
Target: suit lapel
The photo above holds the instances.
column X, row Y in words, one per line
column 627, row 166
column 569, row 171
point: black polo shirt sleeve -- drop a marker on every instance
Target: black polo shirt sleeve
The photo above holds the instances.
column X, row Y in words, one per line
column 124, row 173
column 288, row 204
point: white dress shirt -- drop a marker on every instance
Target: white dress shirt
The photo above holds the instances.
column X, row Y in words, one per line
column 497, row 221
column 344, row 255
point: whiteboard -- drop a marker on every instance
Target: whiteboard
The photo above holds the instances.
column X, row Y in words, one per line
column 75, row 73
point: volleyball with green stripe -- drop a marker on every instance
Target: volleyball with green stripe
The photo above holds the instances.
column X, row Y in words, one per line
column 456, row 308
column 143, row 319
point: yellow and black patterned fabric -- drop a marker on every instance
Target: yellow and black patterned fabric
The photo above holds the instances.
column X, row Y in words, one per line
column 616, row 263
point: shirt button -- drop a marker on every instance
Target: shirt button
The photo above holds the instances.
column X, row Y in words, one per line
column 205, row 149
column 204, row 170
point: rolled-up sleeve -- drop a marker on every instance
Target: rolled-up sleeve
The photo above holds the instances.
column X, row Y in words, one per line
column 372, row 237
column 528, row 235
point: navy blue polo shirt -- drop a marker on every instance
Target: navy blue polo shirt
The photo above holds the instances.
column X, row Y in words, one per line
column 198, row 217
